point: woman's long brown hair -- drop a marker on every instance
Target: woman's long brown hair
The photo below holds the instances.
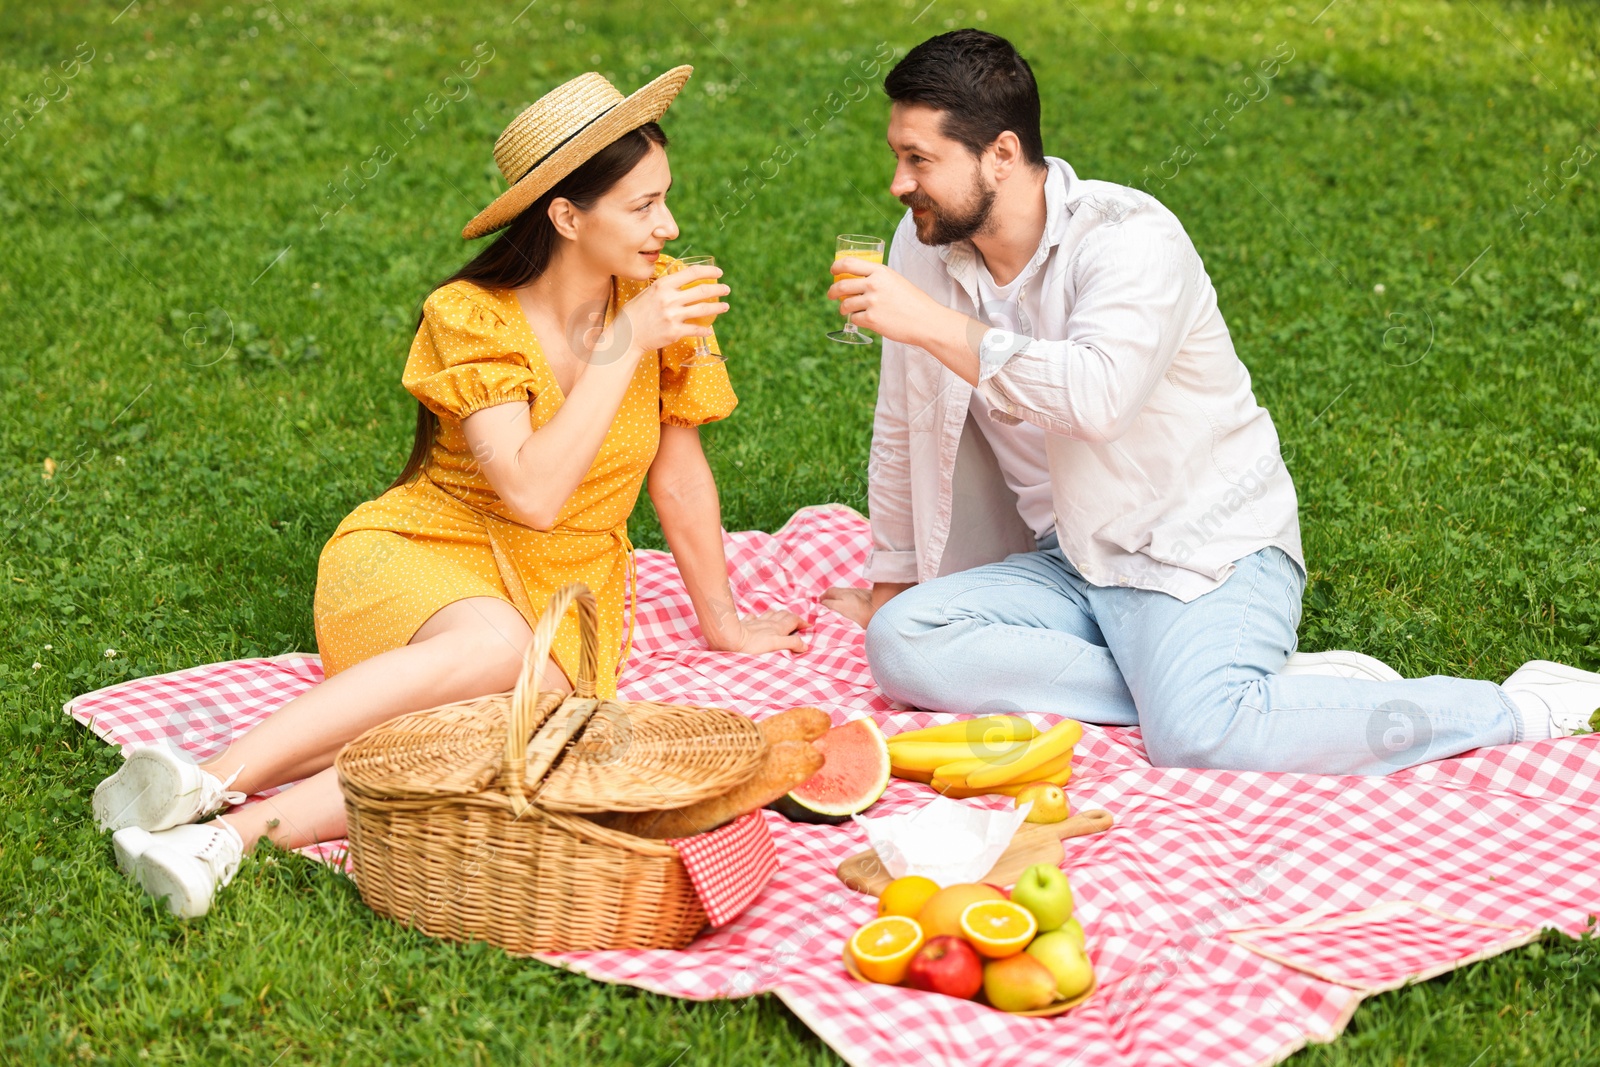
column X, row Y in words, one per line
column 523, row 250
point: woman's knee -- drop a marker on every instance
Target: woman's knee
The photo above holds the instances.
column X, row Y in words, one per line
column 482, row 643
column 471, row 614
column 485, row 661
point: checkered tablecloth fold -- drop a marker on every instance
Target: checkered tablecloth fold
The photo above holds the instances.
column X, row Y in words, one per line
column 1385, row 947
column 729, row 866
column 1203, row 873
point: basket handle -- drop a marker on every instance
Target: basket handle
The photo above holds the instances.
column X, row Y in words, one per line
column 525, row 697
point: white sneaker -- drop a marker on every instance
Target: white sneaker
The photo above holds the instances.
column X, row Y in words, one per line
column 185, row 866
column 156, row 788
column 1572, row 695
column 1340, row 663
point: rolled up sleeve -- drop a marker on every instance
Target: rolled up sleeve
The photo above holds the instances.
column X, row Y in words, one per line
column 1137, row 289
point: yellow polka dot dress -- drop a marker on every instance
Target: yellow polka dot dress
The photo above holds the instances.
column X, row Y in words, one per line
column 446, row 535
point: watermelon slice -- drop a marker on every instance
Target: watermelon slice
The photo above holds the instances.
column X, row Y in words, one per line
column 854, row 776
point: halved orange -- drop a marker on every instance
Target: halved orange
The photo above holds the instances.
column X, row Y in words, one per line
column 883, row 948
column 998, row 928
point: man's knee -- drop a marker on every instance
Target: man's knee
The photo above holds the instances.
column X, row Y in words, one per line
column 887, row 643
column 895, row 634
column 1167, row 749
column 1199, row 730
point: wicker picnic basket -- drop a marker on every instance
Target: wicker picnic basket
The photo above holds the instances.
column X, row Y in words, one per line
column 466, row 820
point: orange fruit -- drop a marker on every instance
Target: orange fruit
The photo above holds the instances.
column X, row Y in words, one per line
column 905, row 896
column 998, row 928
column 883, row 948
column 941, row 915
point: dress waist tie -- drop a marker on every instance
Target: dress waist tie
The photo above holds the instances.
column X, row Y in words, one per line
column 633, row 596
column 521, row 550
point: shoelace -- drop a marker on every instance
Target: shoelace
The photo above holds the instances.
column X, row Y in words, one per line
column 224, row 862
column 222, row 793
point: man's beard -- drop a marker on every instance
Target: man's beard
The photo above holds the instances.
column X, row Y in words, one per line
column 942, row 227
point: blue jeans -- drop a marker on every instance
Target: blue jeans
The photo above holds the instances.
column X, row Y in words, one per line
column 1200, row 679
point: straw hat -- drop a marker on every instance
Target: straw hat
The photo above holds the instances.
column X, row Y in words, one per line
column 560, row 131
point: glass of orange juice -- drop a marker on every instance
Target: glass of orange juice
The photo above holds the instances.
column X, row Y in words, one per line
column 704, row 353
column 858, row 246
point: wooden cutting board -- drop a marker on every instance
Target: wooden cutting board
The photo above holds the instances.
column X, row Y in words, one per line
column 1033, row 843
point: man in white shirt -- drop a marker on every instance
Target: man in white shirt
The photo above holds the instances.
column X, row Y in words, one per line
column 1073, row 323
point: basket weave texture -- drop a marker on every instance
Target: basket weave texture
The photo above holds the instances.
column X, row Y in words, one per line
column 466, row 820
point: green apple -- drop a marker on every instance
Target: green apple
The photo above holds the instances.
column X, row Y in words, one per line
column 1072, row 926
column 1044, row 890
column 1059, row 951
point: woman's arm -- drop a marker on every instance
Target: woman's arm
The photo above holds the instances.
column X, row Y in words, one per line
column 535, row 472
column 509, row 450
column 685, row 495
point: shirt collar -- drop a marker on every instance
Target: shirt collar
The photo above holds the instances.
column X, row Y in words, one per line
column 961, row 257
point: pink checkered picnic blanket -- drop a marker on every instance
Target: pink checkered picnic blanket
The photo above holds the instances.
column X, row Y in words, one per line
column 1232, row 916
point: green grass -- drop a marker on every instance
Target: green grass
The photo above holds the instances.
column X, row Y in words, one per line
column 214, row 405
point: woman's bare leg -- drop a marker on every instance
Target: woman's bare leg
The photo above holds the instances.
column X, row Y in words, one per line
column 311, row 811
column 467, row 649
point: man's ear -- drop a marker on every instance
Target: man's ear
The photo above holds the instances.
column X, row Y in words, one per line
column 564, row 217
column 1005, row 155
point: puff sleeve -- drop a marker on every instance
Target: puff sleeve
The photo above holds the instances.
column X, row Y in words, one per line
column 463, row 358
column 697, row 394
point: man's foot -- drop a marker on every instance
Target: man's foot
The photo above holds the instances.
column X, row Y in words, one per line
column 1340, row 663
column 156, row 788
column 1572, row 695
column 185, row 866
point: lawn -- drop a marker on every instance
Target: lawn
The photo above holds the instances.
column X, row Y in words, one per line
column 221, row 222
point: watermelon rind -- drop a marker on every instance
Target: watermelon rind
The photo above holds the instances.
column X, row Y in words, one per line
column 866, row 796
column 794, row 811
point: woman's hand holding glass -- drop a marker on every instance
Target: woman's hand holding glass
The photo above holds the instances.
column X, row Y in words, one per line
column 704, row 355
column 671, row 309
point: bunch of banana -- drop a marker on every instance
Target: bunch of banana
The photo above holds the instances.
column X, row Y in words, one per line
column 995, row 754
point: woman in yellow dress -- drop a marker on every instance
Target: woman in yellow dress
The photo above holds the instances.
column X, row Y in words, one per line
column 553, row 373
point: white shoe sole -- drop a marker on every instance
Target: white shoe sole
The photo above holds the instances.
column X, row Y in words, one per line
column 169, row 876
column 1341, row 663
column 129, row 844
column 144, row 792
column 1551, row 671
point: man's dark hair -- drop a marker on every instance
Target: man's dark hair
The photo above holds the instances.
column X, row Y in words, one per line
column 980, row 83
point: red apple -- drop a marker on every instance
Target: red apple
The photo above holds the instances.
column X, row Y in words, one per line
column 1002, row 889
column 947, row 965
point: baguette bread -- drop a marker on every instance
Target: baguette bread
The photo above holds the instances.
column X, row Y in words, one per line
column 796, row 724
column 787, row 764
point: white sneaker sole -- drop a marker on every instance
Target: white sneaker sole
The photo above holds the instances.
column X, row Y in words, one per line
column 1341, row 663
column 129, row 844
column 144, row 792
column 1551, row 671
column 169, row 876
